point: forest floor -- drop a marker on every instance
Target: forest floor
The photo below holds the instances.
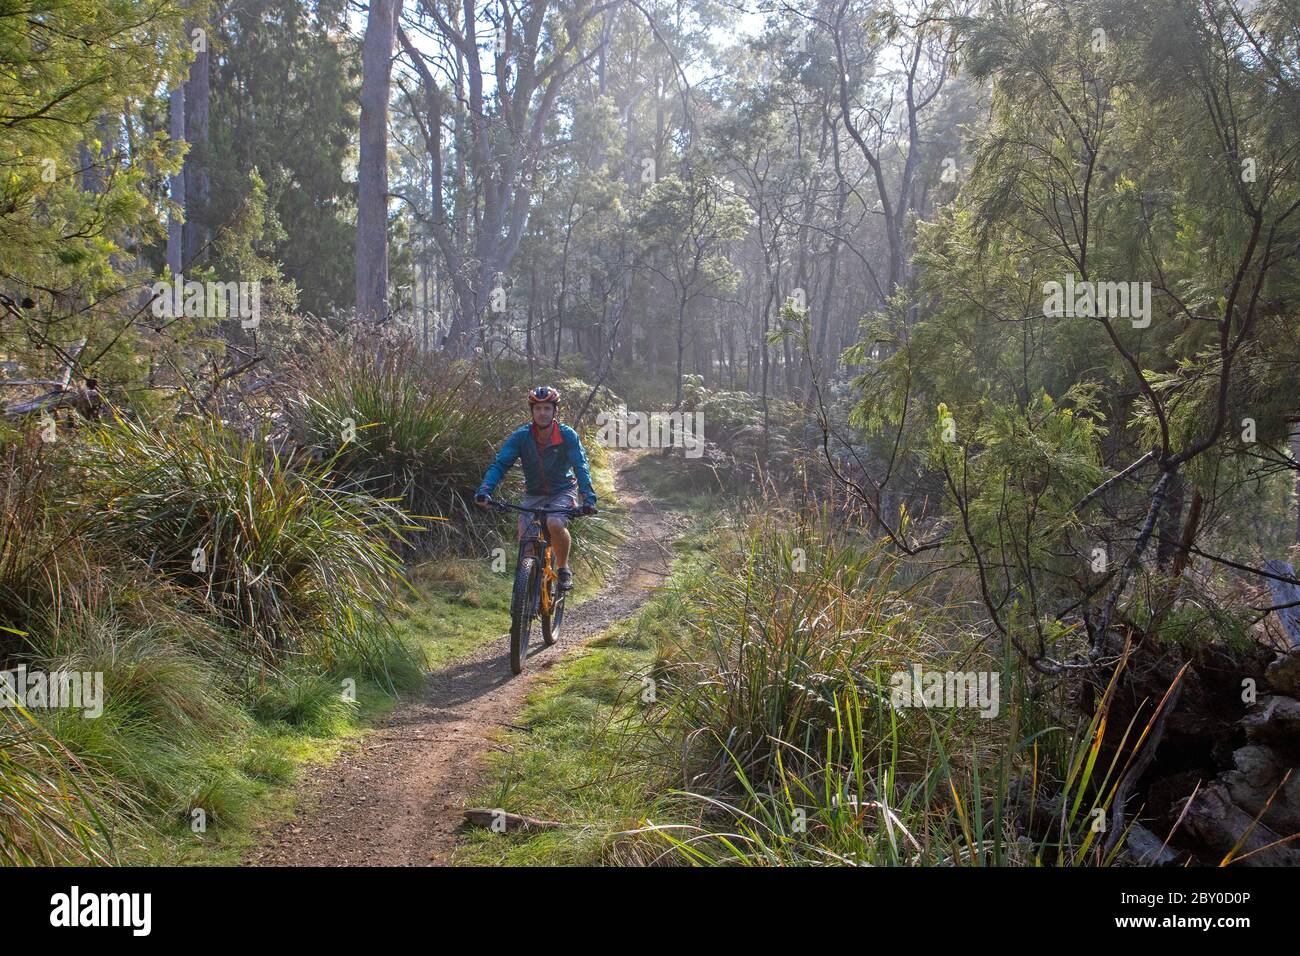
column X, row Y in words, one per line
column 398, row 798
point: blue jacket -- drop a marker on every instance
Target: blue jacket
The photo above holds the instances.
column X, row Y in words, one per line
column 546, row 474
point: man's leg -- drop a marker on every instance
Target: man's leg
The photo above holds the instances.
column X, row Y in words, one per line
column 560, row 540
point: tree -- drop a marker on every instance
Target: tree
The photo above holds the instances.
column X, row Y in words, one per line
column 479, row 217
column 81, row 192
column 372, row 168
column 1063, row 434
column 284, row 102
column 687, row 220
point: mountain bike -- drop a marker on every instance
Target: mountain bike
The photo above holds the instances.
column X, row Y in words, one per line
column 537, row 594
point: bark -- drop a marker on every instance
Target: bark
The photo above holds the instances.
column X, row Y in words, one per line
column 1295, row 455
column 198, row 94
column 372, row 172
column 175, row 249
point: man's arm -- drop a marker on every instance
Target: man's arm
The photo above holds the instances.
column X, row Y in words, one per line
column 508, row 455
column 578, row 459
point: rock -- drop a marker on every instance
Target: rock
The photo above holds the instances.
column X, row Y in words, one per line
column 1215, row 821
column 1256, row 781
column 1284, row 673
column 1257, row 766
column 1274, row 719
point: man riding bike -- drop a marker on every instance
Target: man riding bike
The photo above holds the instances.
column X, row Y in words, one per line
column 550, row 453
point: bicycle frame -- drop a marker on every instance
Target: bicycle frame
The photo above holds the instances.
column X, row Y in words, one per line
column 536, row 593
column 538, row 533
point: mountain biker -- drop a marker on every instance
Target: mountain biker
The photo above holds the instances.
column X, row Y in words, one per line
column 550, row 454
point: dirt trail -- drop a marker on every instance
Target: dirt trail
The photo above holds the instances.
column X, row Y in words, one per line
column 397, row 799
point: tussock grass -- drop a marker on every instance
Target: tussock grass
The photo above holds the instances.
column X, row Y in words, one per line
column 48, row 811
column 296, row 564
column 405, row 424
column 216, row 684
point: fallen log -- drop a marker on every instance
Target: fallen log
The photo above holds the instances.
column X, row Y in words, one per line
column 61, row 394
column 1229, row 831
column 501, row 821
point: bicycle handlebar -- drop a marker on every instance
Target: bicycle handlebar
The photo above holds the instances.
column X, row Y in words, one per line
column 507, row 506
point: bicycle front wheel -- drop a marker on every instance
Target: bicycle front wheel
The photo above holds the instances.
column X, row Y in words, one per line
column 522, row 611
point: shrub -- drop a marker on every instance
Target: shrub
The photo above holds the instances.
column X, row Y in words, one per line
column 296, row 564
column 403, row 424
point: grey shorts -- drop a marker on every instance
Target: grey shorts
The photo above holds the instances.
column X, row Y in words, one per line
column 562, row 499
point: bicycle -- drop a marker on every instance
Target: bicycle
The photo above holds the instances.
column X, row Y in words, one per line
column 537, row 593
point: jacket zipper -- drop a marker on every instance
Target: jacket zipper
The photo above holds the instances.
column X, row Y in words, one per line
column 541, row 463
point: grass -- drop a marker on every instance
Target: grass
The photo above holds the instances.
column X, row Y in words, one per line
column 293, row 563
column 460, row 605
column 665, row 484
column 47, row 817
column 250, row 782
column 405, row 424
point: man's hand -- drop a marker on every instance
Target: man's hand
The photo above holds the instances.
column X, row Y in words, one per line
column 481, row 499
column 588, row 509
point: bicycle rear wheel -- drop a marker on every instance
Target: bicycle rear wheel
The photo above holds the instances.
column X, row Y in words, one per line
column 522, row 610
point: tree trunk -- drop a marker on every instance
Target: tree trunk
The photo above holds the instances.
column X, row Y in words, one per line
column 372, row 169
column 175, row 250
column 198, row 94
column 1295, row 454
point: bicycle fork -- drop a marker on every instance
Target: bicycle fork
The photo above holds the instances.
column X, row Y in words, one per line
column 548, row 575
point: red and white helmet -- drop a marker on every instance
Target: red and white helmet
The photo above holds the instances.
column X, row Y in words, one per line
column 543, row 393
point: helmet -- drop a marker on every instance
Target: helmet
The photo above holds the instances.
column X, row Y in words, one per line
column 543, row 393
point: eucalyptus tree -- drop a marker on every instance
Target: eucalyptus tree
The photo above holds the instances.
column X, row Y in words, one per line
column 687, row 221
column 492, row 74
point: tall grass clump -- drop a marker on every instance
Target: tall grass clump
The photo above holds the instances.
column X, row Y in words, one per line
column 296, row 564
column 788, row 620
column 47, row 811
column 32, row 542
column 776, row 707
column 404, row 424
column 166, row 712
column 1033, row 798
